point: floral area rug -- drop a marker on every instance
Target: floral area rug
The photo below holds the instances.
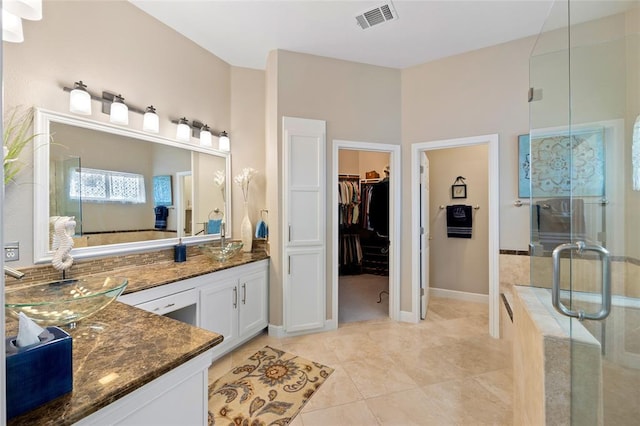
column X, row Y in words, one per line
column 269, row 388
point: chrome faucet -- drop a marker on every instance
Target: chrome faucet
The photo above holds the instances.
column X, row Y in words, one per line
column 13, row 273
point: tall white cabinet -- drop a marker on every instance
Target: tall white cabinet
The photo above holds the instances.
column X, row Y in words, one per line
column 304, row 219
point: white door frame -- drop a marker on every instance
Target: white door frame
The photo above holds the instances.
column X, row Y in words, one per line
column 394, row 221
column 494, row 220
column 180, row 207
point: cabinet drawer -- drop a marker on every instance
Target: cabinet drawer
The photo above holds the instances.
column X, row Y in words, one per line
column 170, row 303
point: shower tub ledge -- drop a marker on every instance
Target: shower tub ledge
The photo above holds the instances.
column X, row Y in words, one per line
column 548, row 350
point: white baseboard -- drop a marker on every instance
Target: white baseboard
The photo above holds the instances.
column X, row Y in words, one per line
column 330, row 324
column 278, row 331
column 459, row 295
column 408, row 316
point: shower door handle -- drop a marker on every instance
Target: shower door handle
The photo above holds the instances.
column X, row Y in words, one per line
column 581, row 247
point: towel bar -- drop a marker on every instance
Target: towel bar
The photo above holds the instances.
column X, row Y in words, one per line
column 476, row 207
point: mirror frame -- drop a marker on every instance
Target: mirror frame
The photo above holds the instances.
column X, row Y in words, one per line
column 42, row 139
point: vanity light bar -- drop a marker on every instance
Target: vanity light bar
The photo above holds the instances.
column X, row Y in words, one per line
column 200, row 130
column 108, row 99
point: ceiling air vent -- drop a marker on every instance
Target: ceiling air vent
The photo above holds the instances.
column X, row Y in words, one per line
column 375, row 16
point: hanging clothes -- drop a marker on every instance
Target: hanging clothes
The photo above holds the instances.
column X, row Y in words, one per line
column 379, row 208
column 349, row 249
column 349, row 202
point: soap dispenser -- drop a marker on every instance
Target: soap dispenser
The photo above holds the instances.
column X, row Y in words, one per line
column 180, row 252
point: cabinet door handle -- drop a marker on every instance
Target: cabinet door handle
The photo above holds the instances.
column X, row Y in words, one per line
column 244, row 293
column 289, row 267
column 169, row 305
column 235, row 297
column 289, row 233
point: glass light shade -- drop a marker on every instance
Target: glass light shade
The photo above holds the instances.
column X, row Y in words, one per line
column 183, row 132
column 25, row 9
column 151, row 121
column 223, row 142
column 11, row 28
column 80, row 100
column 205, row 136
column 119, row 111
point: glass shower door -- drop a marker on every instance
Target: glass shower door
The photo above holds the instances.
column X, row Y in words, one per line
column 585, row 220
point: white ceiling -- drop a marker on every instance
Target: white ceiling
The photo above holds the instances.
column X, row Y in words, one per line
column 243, row 32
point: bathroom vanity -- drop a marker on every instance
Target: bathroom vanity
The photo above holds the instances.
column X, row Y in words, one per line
column 132, row 367
column 230, row 298
column 134, row 364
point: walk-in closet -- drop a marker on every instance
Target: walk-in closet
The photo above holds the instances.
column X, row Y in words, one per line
column 363, row 235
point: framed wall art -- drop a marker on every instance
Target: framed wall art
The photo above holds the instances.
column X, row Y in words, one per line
column 162, row 190
column 562, row 164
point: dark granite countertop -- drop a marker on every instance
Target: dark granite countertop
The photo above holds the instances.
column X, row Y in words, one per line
column 122, row 348
column 116, row 351
column 160, row 273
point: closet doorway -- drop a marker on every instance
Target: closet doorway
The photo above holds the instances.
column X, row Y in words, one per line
column 365, row 286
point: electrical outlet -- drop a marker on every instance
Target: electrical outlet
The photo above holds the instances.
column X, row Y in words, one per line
column 11, row 251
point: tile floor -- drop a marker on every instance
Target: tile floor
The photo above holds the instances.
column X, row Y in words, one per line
column 444, row 371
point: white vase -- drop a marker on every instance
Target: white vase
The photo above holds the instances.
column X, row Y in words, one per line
column 246, row 230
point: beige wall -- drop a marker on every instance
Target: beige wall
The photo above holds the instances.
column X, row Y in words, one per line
column 360, row 162
column 145, row 61
column 359, row 103
column 248, row 140
column 273, row 155
column 458, row 263
column 476, row 93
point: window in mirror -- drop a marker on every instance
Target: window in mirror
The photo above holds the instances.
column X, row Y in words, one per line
column 92, row 185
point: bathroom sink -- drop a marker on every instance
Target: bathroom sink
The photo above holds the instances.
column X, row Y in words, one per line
column 63, row 302
column 221, row 253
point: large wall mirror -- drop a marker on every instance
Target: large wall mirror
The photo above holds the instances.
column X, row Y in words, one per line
column 128, row 190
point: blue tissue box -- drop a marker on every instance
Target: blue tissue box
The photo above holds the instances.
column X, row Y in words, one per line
column 38, row 373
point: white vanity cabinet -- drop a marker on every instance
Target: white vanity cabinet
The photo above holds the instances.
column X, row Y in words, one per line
column 234, row 303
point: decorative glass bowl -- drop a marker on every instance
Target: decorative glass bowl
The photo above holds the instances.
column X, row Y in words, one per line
column 63, row 302
column 223, row 253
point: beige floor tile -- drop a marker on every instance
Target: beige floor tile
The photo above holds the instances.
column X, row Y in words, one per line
column 426, row 367
column 395, row 340
column 355, row 413
column 351, row 347
column 313, row 350
column 466, row 402
column 445, row 370
column 475, row 356
column 261, row 341
column 499, row 383
column 411, row 407
column 338, row 389
column 378, row 375
column 219, row 368
column 297, row 421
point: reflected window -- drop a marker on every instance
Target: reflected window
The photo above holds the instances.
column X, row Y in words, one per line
column 106, row 186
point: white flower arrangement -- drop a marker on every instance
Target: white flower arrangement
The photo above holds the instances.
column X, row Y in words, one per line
column 243, row 179
column 219, row 179
column 17, row 135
